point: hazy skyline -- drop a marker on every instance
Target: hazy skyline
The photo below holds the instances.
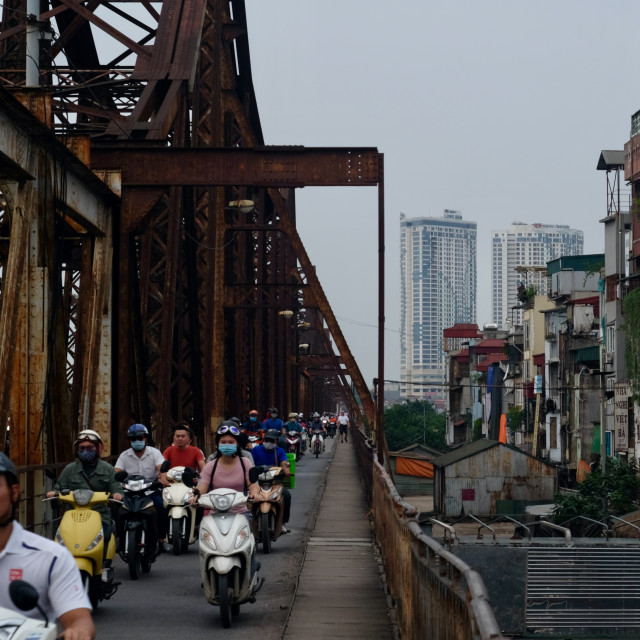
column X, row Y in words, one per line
column 497, row 109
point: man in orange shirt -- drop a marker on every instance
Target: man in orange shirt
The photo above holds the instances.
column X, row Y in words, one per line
column 181, row 453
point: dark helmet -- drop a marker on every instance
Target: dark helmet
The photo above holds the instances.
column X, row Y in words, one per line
column 274, row 410
column 236, row 420
column 136, row 430
column 7, row 468
column 272, row 433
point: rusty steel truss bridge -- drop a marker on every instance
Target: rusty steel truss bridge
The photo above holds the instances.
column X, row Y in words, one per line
column 150, row 266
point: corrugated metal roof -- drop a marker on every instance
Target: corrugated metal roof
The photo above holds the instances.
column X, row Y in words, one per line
column 491, row 359
column 610, row 160
column 462, row 330
column 419, row 451
column 466, row 451
column 587, row 354
column 476, row 447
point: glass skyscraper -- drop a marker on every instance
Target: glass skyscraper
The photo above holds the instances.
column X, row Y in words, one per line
column 438, row 289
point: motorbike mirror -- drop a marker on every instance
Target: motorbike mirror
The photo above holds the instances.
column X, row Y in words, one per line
column 165, row 466
column 121, row 475
column 189, row 477
column 23, row 594
column 255, row 472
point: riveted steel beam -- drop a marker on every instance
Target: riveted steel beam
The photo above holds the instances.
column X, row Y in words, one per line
column 277, row 167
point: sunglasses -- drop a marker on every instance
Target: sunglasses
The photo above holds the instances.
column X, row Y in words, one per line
column 136, row 438
column 226, row 429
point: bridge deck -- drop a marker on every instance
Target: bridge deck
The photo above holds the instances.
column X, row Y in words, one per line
column 340, row 592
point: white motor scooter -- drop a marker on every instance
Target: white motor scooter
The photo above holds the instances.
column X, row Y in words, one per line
column 14, row 626
column 227, row 554
column 181, row 514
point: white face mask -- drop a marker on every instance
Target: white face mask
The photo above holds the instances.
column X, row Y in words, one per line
column 269, row 446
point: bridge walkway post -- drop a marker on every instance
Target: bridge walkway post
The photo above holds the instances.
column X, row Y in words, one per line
column 340, row 592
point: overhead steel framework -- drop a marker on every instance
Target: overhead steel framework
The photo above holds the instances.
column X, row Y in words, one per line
column 136, row 283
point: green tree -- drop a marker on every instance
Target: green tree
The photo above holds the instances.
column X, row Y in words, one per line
column 631, row 311
column 414, row 421
column 515, row 417
column 614, row 492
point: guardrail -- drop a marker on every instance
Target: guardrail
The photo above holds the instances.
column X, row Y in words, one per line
column 436, row 595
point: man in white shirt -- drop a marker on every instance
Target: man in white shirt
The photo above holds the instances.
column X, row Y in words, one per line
column 45, row 564
column 141, row 459
column 343, row 426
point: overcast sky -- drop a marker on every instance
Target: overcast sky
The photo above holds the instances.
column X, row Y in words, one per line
column 497, row 108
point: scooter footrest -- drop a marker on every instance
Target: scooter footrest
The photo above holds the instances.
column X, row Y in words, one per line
column 256, row 589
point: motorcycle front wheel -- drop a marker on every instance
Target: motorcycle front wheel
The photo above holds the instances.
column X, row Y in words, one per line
column 175, row 536
column 133, row 557
column 91, row 588
column 225, row 603
column 266, row 538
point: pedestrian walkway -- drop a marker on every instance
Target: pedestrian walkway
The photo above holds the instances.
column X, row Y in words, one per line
column 340, row 593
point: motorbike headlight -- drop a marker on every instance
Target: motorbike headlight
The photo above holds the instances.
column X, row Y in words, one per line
column 136, row 485
column 96, row 540
column 82, row 497
column 187, row 496
column 222, row 503
column 243, row 534
column 166, row 494
column 207, row 538
column 276, row 494
column 59, row 539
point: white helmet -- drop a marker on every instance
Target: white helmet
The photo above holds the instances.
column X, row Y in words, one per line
column 88, row 434
column 91, row 436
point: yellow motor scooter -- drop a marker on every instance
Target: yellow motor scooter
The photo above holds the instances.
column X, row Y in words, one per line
column 81, row 532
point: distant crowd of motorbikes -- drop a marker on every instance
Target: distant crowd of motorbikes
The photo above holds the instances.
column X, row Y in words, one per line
column 227, row 540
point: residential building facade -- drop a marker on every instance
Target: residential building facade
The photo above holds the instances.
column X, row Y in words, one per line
column 438, row 289
column 525, row 247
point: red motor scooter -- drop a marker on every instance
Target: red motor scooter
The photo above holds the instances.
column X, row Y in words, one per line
column 293, row 441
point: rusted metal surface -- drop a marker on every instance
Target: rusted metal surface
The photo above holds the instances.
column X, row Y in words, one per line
column 258, row 167
column 52, row 297
column 498, row 473
column 174, row 130
column 435, row 594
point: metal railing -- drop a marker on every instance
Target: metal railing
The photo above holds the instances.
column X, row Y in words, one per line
column 436, row 595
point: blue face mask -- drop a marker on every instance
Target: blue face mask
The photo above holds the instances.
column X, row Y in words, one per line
column 228, row 449
column 87, row 456
column 138, row 445
column 252, row 418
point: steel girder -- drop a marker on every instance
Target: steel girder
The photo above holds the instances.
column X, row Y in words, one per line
column 200, row 286
column 55, row 290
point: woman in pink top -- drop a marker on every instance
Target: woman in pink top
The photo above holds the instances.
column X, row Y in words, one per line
column 229, row 469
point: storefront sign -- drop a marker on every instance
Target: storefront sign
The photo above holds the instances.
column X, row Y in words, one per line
column 621, row 417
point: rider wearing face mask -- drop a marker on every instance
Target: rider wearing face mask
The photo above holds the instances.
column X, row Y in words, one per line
column 142, row 459
column 89, row 472
column 269, row 453
column 229, row 469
